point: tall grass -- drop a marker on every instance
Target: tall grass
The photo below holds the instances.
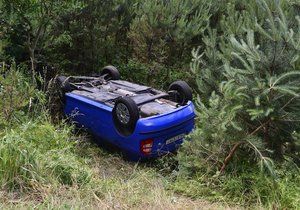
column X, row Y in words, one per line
column 47, row 166
column 33, row 152
column 38, row 153
column 248, row 188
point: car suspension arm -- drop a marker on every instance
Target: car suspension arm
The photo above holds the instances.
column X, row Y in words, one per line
column 162, row 95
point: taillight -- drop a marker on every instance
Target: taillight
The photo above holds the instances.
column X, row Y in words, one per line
column 146, row 146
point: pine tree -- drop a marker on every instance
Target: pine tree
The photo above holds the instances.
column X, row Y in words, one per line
column 252, row 70
column 163, row 32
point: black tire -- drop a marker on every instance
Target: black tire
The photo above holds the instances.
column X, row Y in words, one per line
column 56, row 98
column 180, row 92
column 111, row 72
column 125, row 124
column 64, row 84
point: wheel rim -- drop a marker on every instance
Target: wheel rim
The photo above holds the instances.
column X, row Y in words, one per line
column 178, row 97
column 122, row 113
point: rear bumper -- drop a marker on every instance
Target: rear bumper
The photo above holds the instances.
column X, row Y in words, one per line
column 166, row 121
column 164, row 127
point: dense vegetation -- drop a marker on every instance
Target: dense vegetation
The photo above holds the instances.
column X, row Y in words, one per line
column 242, row 59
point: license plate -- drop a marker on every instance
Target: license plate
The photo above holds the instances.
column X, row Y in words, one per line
column 175, row 138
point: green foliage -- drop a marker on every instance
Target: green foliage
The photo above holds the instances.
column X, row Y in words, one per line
column 255, row 83
column 248, row 107
column 95, row 36
column 162, row 32
column 80, row 37
column 30, row 150
column 31, row 155
column 17, row 94
column 246, row 70
column 246, row 188
column 34, row 22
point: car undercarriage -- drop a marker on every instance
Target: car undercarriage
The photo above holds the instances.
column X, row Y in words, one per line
column 150, row 101
column 129, row 101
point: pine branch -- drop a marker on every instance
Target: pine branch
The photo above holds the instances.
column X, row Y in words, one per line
column 238, row 144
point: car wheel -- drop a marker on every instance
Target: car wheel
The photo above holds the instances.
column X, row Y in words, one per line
column 64, row 84
column 180, row 92
column 125, row 115
column 110, row 73
column 57, row 88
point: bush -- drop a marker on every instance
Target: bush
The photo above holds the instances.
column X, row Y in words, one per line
column 248, row 107
column 18, row 95
column 163, row 33
column 255, row 100
column 138, row 72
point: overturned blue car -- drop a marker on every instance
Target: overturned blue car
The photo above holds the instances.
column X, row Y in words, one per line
column 142, row 121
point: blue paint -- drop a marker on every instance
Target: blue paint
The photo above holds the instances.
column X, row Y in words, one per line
column 96, row 117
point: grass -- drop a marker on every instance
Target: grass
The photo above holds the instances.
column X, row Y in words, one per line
column 250, row 189
column 47, row 166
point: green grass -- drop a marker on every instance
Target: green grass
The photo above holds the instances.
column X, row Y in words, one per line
column 250, row 189
column 36, row 153
column 47, row 166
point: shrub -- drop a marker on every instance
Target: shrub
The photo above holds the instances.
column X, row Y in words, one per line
column 255, row 100
column 18, row 96
column 136, row 71
column 163, row 32
column 248, row 106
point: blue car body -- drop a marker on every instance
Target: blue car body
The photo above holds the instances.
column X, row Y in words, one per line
column 166, row 130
